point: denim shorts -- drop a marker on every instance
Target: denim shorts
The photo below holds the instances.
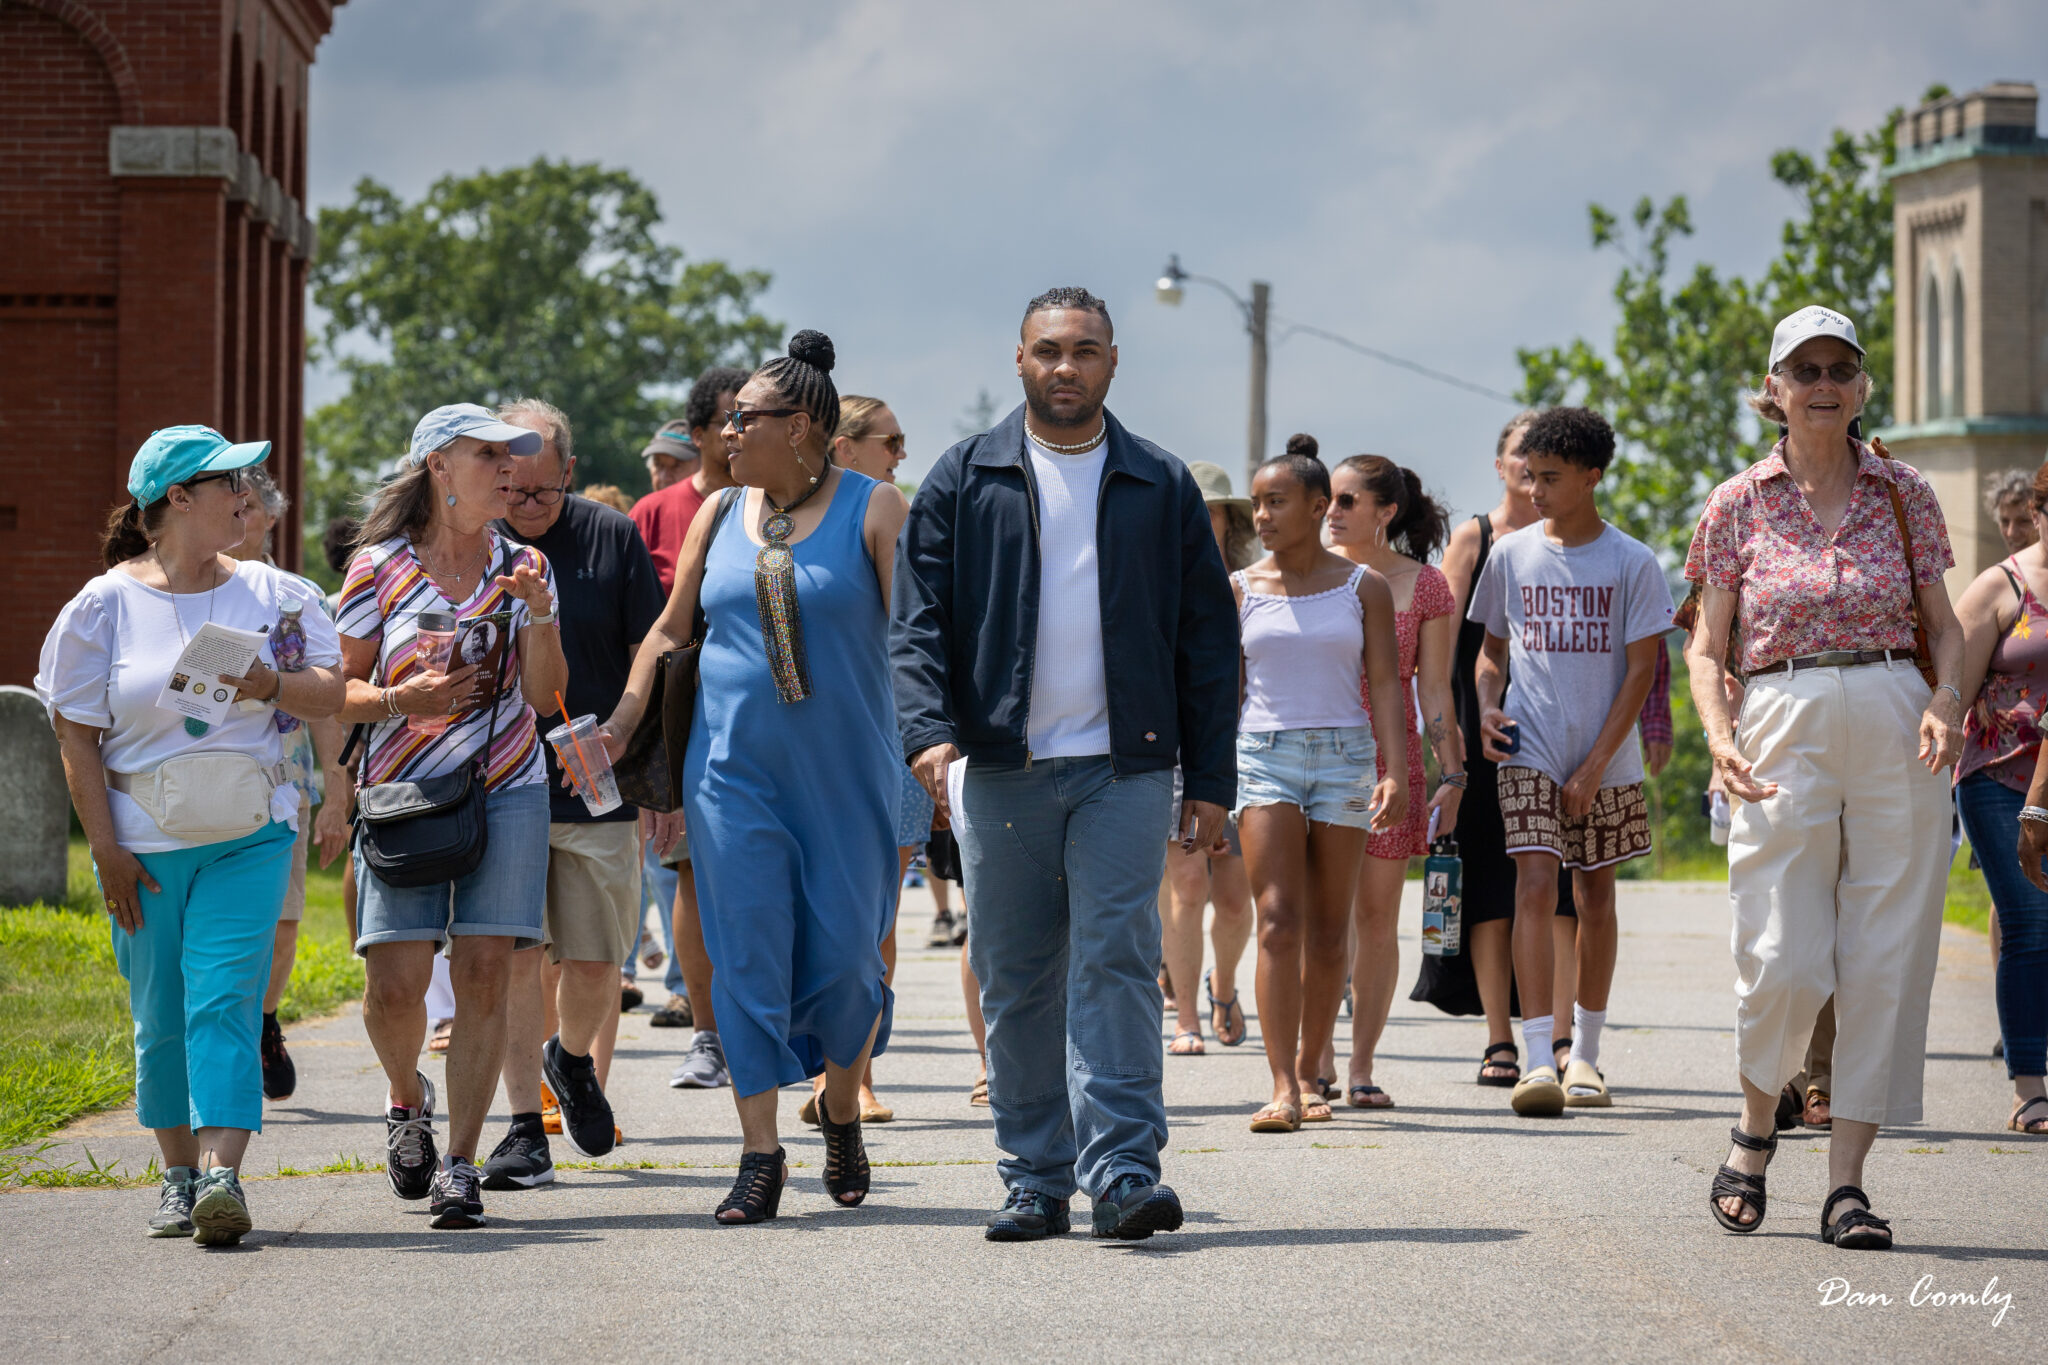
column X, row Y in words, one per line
column 506, row 896
column 1329, row 774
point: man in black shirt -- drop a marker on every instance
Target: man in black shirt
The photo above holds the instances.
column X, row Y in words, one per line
column 607, row 597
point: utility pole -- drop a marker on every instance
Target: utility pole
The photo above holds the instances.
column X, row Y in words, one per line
column 1255, row 323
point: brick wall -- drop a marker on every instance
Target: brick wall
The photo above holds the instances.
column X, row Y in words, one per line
column 138, row 302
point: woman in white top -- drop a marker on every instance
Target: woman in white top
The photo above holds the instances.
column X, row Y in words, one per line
column 190, row 821
column 1316, row 630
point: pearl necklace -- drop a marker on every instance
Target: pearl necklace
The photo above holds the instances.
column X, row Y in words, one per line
column 1101, row 433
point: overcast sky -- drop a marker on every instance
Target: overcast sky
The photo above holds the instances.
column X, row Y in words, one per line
column 1412, row 176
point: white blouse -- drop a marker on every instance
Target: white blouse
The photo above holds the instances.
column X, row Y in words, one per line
column 108, row 656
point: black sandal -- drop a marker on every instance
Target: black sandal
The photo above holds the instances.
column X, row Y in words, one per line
column 846, row 1158
column 1856, row 1230
column 1731, row 1183
column 1513, row 1063
column 756, row 1190
column 1791, row 1107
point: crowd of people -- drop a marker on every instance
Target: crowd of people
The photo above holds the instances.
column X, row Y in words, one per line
column 1090, row 683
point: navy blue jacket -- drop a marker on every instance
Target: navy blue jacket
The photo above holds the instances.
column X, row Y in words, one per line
column 964, row 616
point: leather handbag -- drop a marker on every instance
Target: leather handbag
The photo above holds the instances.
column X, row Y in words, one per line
column 650, row 771
column 432, row 830
column 1923, row 658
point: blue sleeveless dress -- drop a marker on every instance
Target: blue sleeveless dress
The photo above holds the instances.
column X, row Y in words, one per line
column 792, row 807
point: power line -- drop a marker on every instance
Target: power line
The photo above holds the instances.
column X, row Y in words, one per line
column 1423, row 370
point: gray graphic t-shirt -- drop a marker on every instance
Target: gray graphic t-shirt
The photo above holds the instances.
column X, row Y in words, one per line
column 1568, row 615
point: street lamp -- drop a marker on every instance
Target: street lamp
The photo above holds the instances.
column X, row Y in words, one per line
column 1170, row 289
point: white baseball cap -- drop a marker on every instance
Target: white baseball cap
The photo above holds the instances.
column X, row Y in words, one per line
column 1796, row 329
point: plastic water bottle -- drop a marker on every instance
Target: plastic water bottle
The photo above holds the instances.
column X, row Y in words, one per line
column 288, row 647
column 1443, row 889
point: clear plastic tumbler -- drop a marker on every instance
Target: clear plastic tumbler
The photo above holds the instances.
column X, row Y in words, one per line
column 435, row 645
column 587, row 763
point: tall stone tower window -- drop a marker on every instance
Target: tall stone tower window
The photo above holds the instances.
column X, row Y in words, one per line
column 1958, row 400
column 1933, row 398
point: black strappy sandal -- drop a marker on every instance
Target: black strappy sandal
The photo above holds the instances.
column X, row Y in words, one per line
column 1858, row 1229
column 1791, row 1106
column 1513, row 1063
column 1731, row 1183
column 846, row 1159
column 756, row 1190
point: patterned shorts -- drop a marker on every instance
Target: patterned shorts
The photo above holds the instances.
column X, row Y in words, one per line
column 1616, row 829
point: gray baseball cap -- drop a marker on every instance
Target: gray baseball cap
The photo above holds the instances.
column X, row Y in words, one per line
column 441, row 426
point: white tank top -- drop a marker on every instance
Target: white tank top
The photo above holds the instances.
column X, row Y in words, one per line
column 1304, row 659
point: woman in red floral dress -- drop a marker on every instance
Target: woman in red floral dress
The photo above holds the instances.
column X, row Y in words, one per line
column 1381, row 518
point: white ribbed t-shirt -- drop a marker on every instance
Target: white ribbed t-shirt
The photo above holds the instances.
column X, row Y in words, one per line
column 1069, row 690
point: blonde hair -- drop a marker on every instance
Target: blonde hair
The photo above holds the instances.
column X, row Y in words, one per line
column 857, row 415
column 611, row 495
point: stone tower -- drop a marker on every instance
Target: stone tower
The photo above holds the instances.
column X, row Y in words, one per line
column 1970, row 270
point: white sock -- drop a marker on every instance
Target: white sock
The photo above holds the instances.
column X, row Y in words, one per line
column 1536, row 1034
column 1586, row 1026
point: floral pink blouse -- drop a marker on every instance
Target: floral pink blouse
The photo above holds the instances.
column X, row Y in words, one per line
column 2001, row 735
column 1804, row 592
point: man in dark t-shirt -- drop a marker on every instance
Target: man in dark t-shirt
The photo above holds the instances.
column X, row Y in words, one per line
column 607, row 596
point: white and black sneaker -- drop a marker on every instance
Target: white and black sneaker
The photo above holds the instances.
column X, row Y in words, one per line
column 458, row 1195
column 521, row 1161
column 410, row 1158
column 174, row 1205
column 586, row 1114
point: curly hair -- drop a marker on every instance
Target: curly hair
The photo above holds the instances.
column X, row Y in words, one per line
column 702, row 408
column 1577, row 436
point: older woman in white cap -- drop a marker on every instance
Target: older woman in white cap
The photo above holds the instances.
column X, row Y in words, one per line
column 427, row 547
column 185, row 801
column 1827, row 557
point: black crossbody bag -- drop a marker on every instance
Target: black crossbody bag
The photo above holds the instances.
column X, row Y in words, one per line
column 428, row 831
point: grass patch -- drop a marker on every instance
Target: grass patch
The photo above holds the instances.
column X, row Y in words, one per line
column 66, row 1037
column 2004, row 1151
column 1969, row 900
column 1346, row 1146
column 1925, row 1151
column 1197, row 1151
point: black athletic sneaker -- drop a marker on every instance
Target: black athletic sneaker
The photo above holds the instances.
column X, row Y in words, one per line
column 458, row 1198
column 280, row 1077
column 520, row 1162
column 409, row 1155
column 1133, row 1208
column 586, row 1114
column 1028, row 1216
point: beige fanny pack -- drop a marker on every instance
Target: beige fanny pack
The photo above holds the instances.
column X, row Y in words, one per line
column 204, row 798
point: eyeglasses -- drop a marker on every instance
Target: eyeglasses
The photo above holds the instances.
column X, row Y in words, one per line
column 892, row 444
column 738, row 419
column 231, row 477
column 1842, row 371
column 546, row 497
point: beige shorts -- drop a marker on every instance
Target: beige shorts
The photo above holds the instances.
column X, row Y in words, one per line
column 593, row 910
column 295, row 890
column 1616, row 829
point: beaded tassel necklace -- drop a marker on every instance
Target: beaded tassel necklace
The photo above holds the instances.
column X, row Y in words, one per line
column 782, row 623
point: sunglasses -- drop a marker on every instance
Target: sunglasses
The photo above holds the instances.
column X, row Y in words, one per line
column 1842, row 372
column 546, row 497
column 1347, row 501
column 892, row 444
column 231, row 477
column 737, row 419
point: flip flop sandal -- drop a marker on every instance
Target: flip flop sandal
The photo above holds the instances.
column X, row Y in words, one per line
column 978, row 1097
column 1175, row 1049
column 1814, row 1093
column 1729, row 1182
column 2020, row 1124
column 1361, row 1097
column 1329, row 1090
column 1513, row 1063
column 1233, row 1016
column 1316, row 1109
column 877, row 1113
column 1277, row 1118
column 1856, row 1230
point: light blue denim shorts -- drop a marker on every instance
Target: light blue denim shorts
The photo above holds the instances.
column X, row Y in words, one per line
column 1329, row 774
column 507, row 895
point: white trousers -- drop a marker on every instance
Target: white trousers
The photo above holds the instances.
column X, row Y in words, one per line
column 1837, row 883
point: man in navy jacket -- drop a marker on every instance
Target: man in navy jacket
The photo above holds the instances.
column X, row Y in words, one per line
column 1061, row 618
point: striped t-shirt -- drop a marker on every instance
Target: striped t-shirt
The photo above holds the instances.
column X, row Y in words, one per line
column 382, row 599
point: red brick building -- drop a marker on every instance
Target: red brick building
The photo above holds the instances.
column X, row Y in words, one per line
column 153, row 249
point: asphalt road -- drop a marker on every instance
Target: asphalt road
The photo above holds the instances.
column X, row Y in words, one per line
column 1445, row 1229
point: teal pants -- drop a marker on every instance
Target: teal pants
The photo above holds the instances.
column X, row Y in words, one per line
column 197, row 970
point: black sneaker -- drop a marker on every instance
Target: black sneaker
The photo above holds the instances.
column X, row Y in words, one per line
column 409, row 1155
column 630, row 997
column 458, row 1198
column 280, row 1077
column 520, row 1162
column 174, row 1206
column 1028, row 1216
column 586, row 1114
column 1133, row 1208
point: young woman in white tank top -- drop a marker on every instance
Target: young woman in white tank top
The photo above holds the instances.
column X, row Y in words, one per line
column 1314, row 628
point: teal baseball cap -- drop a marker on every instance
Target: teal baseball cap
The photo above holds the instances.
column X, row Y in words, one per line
column 176, row 454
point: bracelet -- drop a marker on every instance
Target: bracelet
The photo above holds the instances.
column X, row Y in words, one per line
column 1452, row 780
column 1950, row 689
column 390, row 703
column 2036, row 814
column 548, row 620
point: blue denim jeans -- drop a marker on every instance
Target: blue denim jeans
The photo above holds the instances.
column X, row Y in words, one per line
column 505, row 896
column 1991, row 817
column 1062, row 862
column 658, row 891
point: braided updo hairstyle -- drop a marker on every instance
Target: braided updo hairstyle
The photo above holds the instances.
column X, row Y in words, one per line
column 804, row 379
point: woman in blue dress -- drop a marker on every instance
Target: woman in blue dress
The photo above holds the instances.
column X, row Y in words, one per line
column 789, row 785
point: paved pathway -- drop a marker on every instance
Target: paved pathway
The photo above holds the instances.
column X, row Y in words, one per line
column 1445, row 1229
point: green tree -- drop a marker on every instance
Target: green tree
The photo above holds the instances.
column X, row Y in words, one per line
column 976, row 417
column 545, row 280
